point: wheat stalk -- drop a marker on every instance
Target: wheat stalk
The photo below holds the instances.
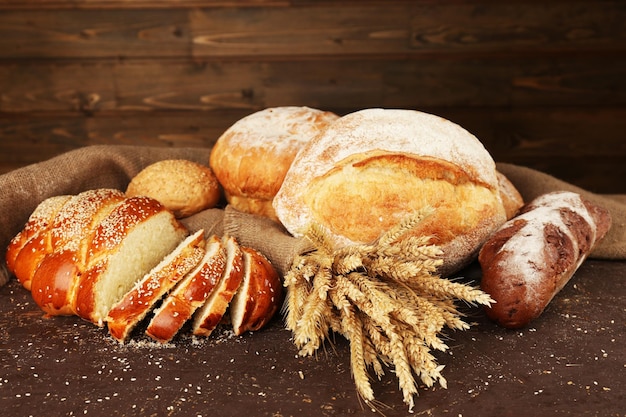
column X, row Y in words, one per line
column 385, row 298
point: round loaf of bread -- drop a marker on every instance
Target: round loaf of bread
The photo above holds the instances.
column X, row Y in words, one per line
column 372, row 168
column 251, row 157
column 181, row 186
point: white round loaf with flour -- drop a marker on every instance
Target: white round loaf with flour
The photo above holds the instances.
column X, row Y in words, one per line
column 372, row 168
column 251, row 158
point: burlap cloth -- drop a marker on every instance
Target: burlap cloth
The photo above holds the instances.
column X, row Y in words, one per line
column 113, row 167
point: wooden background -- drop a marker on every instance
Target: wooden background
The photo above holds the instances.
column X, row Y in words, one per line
column 540, row 83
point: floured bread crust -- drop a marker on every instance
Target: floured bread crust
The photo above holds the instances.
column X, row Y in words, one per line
column 532, row 256
column 251, row 157
column 372, row 168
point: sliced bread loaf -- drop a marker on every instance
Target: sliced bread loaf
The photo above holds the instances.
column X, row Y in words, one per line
column 53, row 281
column 259, row 295
column 126, row 313
column 211, row 313
column 130, row 241
column 189, row 294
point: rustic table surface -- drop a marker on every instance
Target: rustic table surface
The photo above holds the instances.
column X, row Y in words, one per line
column 571, row 361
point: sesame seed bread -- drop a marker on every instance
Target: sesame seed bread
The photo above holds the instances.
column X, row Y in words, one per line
column 211, row 313
column 124, row 246
column 189, row 294
column 53, row 282
column 113, row 259
column 126, row 313
column 183, row 187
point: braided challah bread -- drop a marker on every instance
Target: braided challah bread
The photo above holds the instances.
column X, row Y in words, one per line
column 112, row 259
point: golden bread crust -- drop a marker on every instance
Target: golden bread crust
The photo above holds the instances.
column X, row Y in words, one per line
column 251, row 157
column 372, row 168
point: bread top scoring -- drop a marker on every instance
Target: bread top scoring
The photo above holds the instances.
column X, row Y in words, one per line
column 402, row 131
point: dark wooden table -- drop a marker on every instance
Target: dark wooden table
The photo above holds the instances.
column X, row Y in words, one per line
column 571, row 361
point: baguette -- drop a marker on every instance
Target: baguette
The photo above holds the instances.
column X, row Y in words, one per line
column 533, row 256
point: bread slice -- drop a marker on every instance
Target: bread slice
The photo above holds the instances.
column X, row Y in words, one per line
column 189, row 294
column 125, row 245
column 38, row 222
column 54, row 279
column 259, row 295
column 211, row 313
column 136, row 303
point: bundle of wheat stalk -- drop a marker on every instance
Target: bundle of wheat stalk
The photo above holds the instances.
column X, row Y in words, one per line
column 384, row 297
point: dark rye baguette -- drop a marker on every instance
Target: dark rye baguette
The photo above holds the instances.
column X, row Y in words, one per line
column 533, row 256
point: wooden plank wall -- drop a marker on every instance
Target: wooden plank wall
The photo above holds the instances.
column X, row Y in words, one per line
column 541, row 83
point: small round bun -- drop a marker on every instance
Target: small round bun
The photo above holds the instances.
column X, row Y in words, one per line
column 251, row 157
column 183, row 187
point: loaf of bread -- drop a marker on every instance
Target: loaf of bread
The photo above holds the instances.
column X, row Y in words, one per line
column 370, row 169
column 113, row 259
column 532, row 256
column 64, row 257
column 251, row 158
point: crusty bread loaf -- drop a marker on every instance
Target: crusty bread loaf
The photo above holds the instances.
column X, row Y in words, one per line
column 251, row 158
column 189, row 294
column 372, row 168
column 126, row 313
column 259, row 295
column 183, row 187
column 532, row 256
column 211, row 313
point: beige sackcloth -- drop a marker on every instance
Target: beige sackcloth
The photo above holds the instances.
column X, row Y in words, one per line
column 113, row 166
